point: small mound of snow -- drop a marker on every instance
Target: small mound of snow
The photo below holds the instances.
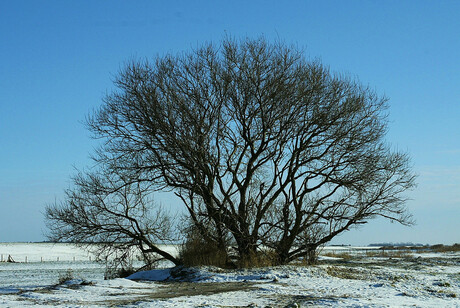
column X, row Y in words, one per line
column 178, row 273
column 9, row 290
column 118, row 283
column 151, row 275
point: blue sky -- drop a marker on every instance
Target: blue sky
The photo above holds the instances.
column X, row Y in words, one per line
column 58, row 59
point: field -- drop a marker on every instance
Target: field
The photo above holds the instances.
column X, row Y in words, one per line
column 344, row 277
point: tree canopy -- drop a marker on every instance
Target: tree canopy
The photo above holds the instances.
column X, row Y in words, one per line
column 266, row 150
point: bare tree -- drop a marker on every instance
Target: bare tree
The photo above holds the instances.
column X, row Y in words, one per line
column 262, row 146
column 113, row 218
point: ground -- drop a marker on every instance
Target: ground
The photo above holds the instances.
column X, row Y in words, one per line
column 364, row 279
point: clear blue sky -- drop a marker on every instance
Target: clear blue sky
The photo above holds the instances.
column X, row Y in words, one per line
column 57, row 59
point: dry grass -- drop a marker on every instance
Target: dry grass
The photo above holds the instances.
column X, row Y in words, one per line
column 346, row 273
column 445, row 248
column 388, row 253
column 342, row 255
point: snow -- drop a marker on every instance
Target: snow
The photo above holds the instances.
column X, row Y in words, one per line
column 43, row 252
column 417, row 279
column 47, row 252
column 152, row 275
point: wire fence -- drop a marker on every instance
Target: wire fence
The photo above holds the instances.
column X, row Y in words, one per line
column 8, row 258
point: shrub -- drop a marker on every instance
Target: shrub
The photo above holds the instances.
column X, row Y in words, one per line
column 261, row 258
column 115, row 272
column 67, row 276
column 198, row 250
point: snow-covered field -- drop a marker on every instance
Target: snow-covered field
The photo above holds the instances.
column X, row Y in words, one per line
column 345, row 277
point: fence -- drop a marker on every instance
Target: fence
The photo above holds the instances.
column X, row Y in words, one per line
column 25, row 259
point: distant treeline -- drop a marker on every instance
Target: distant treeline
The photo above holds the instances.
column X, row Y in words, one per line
column 419, row 247
column 408, row 244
